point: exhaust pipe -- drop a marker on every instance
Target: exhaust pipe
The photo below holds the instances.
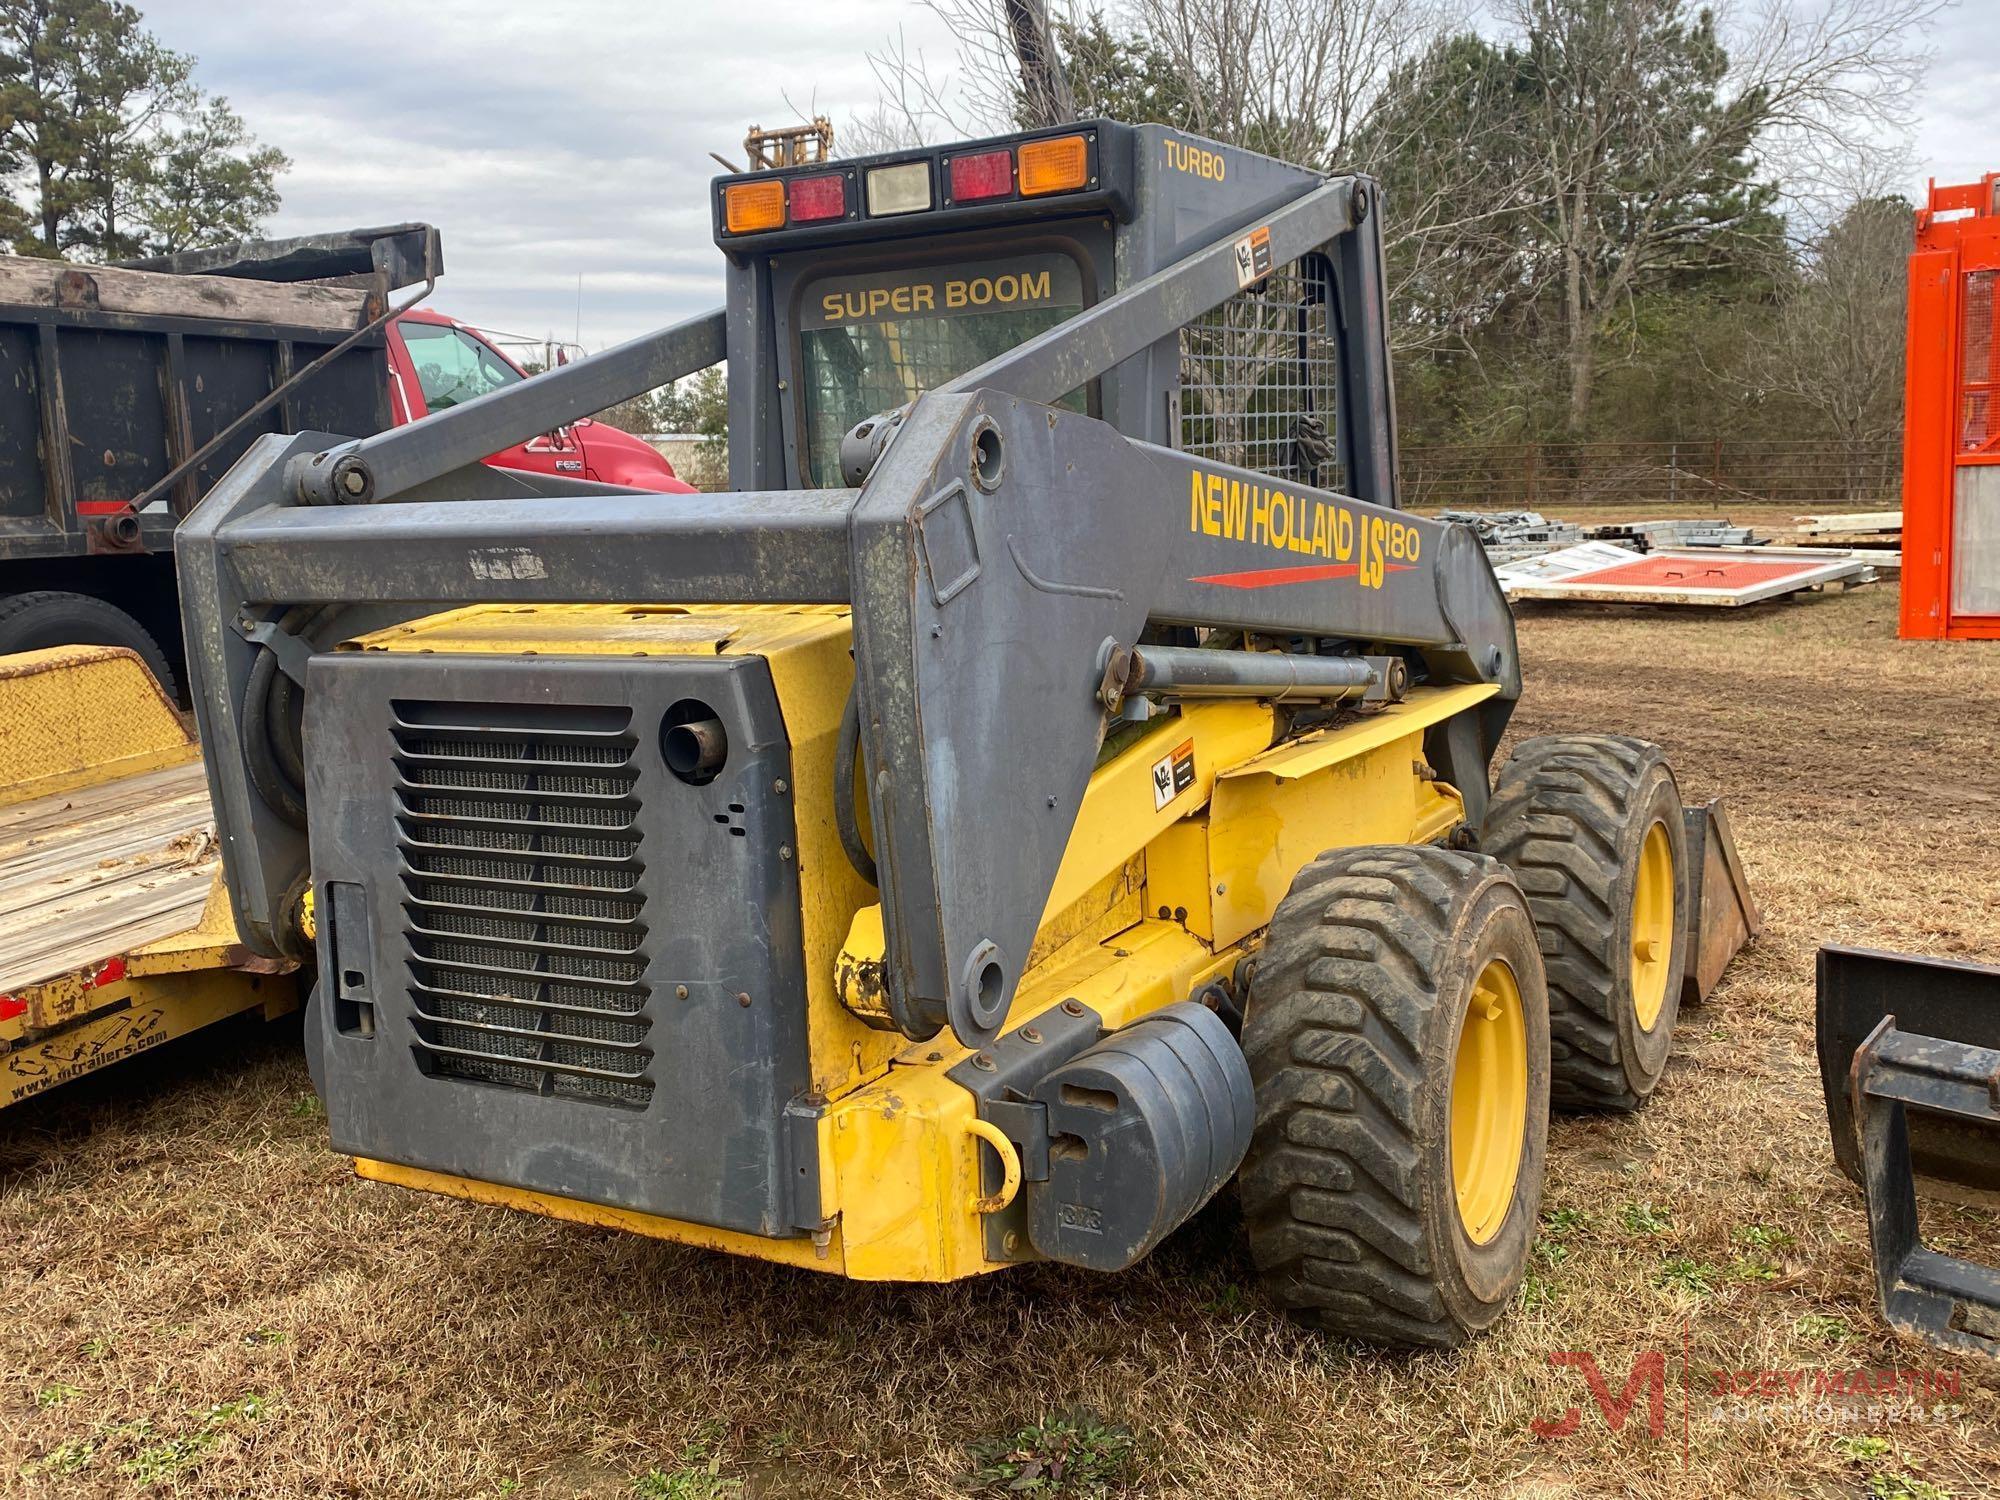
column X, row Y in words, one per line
column 695, row 751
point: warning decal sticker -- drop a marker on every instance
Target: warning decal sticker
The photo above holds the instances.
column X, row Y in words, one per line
column 1253, row 256
column 1173, row 774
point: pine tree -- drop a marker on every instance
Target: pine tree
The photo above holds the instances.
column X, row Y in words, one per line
column 109, row 146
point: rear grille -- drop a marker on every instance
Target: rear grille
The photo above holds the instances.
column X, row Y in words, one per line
column 517, row 831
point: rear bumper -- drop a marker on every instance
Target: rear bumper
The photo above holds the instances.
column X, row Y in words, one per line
column 907, row 1178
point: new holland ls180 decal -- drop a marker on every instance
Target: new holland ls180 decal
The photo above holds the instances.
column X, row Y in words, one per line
column 1366, row 548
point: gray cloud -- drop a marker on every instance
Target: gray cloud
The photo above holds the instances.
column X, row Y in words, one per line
column 547, row 141
column 552, row 141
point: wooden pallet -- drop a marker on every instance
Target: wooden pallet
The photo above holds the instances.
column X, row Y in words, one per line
column 91, row 873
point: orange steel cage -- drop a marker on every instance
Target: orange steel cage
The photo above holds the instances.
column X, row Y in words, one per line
column 1951, row 418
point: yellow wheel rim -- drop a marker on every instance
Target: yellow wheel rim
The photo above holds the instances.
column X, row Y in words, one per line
column 1652, row 925
column 1489, row 1102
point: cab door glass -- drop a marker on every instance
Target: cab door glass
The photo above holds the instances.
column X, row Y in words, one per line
column 452, row 366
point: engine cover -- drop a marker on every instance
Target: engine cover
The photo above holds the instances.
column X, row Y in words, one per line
column 548, row 959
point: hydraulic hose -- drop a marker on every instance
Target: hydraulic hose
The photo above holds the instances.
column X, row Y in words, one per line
column 847, row 753
column 282, row 795
column 273, row 719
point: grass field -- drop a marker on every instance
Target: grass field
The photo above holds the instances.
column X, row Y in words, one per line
column 201, row 1300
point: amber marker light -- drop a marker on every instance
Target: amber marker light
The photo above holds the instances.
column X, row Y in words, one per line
column 750, row 206
column 1058, row 166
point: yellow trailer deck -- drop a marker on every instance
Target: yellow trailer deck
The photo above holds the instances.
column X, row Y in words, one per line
column 115, row 933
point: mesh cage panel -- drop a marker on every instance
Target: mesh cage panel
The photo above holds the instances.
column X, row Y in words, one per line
column 518, row 833
column 1260, row 378
column 1979, row 423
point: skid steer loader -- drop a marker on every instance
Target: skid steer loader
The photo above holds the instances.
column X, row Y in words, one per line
column 1052, row 784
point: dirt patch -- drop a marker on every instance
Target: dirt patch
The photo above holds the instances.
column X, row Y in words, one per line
column 203, row 1301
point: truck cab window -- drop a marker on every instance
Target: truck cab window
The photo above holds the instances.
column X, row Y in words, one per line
column 452, row 366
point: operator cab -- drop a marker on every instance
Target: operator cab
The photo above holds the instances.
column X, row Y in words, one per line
column 866, row 283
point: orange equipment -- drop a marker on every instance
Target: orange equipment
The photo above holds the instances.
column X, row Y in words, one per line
column 1951, row 418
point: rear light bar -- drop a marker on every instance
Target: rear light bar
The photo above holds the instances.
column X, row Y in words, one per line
column 1031, row 169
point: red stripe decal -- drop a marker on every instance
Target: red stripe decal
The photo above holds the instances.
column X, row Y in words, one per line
column 99, row 507
column 1265, row 578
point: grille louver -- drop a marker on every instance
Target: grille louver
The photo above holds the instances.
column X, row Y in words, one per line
column 518, row 837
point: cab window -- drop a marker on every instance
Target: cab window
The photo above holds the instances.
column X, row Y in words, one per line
column 871, row 342
column 453, row 366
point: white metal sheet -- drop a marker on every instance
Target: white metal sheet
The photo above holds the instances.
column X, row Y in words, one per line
column 1602, row 573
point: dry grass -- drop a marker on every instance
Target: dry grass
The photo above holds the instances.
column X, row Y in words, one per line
column 179, row 1239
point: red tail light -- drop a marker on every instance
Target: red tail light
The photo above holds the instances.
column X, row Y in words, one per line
column 987, row 174
column 817, row 198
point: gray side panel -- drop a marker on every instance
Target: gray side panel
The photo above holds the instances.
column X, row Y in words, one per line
column 489, row 898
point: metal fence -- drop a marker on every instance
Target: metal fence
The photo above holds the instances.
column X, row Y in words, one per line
column 1696, row 476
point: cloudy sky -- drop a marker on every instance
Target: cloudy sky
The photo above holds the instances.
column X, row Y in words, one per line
column 566, row 141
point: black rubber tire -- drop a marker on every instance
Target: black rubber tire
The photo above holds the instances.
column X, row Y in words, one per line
column 1569, row 815
column 1352, row 1031
column 32, row 621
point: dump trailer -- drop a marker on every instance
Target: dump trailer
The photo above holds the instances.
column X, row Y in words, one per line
column 1054, row 783
column 115, row 933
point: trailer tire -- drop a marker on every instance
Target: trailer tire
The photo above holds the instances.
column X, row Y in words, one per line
column 1393, row 1181
column 1591, row 825
column 42, row 618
